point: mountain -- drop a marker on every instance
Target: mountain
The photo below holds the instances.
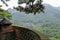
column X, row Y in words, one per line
column 51, row 14
column 53, row 10
column 58, row 8
column 47, row 23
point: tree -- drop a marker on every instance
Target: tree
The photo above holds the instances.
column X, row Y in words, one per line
column 5, row 13
column 31, row 6
column 4, row 2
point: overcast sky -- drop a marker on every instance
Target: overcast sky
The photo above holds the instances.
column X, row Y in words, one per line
column 55, row 3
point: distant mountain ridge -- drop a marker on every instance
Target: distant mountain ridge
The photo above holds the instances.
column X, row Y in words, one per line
column 58, row 8
column 51, row 14
column 47, row 23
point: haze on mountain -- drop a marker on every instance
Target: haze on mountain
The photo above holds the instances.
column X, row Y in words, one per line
column 58, row 8
column 51, row 14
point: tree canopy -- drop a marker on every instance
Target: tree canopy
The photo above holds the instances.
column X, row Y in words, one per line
column 5, row 14
column 32, row 6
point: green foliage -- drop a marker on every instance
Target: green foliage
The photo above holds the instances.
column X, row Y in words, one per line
column 50, row 29
column 5, row 13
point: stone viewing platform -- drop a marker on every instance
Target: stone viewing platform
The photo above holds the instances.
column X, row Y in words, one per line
column 10, row 32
